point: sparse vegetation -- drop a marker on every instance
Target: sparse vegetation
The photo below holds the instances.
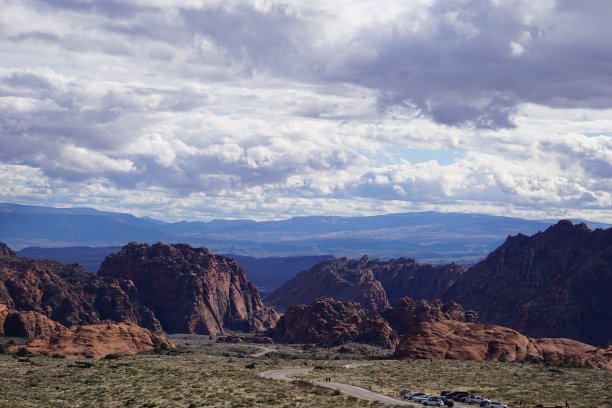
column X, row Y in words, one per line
column 198, row 375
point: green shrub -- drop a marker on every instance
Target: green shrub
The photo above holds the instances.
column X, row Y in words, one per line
column 112, row 356
column 22, row 351
column 57, row 355
column 3, row 348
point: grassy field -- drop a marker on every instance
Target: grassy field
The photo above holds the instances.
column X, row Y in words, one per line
column 204, row 374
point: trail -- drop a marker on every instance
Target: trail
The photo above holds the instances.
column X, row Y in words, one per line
column 262, row 351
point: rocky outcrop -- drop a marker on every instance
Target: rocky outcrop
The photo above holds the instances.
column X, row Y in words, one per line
column 407, row 277
column 190, row 290
column 328, row 322
column 68, row 294
column 5, row 251
column 407, row 313
column 341, row 279
column 372, row 283
column 556, row 283
column 472, row 341
column 98, row 340
column 28, row 324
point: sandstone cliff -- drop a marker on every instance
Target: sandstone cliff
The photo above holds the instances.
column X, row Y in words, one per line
column 556, row 283
column 341, row 279
column 471, row 341
column 407, row 313
column 97, row 341
column 189, row 289
column 328, row 322
column 68, row 294
column 372, row 283
column 407, row 277
column 28, row 324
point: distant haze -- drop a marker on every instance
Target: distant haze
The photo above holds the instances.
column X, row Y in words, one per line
column 425, row 236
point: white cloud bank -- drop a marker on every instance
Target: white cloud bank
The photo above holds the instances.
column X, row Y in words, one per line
column 268, row 109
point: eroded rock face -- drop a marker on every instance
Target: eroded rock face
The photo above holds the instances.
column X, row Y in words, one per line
column 407, row 313
column 68, row 294
column 98, row 340
column 341, row 279
column 5, row 251
column 407, row 277
column 471, row 341
column 328, row 322
column 373, row 284
column 28, row 324
column 189, row 289
column 556, row 283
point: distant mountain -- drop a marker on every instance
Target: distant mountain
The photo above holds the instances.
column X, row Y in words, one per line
column 427, row 236
column 89, row 258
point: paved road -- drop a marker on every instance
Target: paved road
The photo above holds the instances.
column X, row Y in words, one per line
column 362, row 393
column 358, row 392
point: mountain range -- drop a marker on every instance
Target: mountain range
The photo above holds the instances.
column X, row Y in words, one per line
column 431, row 237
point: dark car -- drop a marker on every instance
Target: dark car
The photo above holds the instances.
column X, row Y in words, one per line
column 444, row 393
column 460, row 395
column 447, row 402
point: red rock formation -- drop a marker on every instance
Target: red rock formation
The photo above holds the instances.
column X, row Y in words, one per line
column 407, row 313
column 189, row 289
column 472, row 341
column 27, row 324
column 5, row 251
column 328, row 322
column 97, row 341
column 407, row 277
column 341, row 279
column 556, row 283
column 68, row 294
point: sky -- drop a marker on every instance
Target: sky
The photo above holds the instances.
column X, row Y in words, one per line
column 267, row 109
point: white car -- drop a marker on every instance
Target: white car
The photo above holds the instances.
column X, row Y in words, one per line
column 409, row 395
column 477, row 400
column 433, row 401
column 495, row 404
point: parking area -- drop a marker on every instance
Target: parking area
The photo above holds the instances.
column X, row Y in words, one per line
column 456, row 399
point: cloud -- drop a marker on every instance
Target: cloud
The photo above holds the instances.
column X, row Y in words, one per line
column 268, row 107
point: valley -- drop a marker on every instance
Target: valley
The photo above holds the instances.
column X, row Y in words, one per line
column 204, row 373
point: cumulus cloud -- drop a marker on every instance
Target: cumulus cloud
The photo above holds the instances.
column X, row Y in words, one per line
column 252, row 108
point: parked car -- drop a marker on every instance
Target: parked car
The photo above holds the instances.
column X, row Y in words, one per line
column 420, row 398
column 460, row 395
column 448, row 403
column 433, row 401
column 444, row 393
column 403, row 391
column 409, row 395
column 476, row 400
column 495, row 404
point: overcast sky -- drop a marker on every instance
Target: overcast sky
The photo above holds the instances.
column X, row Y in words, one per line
column 267, row 109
